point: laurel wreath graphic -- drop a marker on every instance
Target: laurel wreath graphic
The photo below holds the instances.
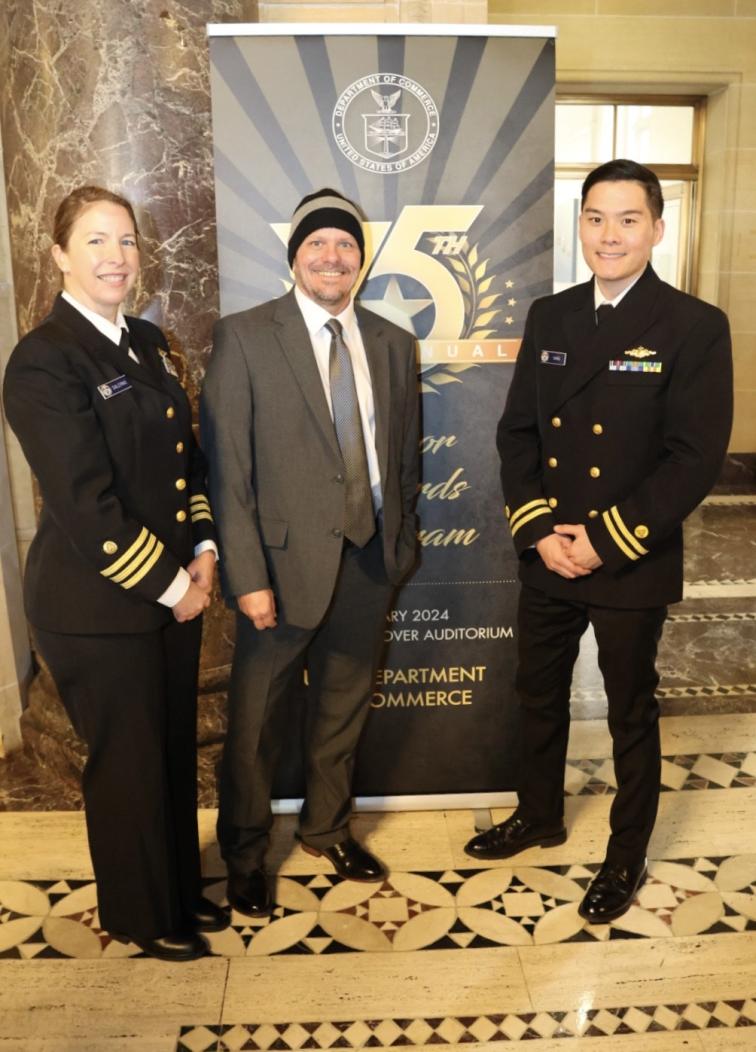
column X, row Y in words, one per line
column 479, row 313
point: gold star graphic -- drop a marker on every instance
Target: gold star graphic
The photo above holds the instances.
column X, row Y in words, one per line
column 509, row 284
column 511, row 303
column 509, row 319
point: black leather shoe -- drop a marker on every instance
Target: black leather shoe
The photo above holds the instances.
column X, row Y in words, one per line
column 611, row 892
column 351, row 861
column 181, row 946
column 206, row 916
column 249, row 893
column 514, row 835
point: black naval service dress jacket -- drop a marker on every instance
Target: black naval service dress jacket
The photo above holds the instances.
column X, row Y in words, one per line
column 121, row 477
column 124, row 504
column 622, row 428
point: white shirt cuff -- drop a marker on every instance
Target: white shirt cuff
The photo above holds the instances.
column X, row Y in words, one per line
column 206, row 546
column 178, row 588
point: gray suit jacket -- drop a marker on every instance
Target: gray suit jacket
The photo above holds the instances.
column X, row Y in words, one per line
column 276, row 472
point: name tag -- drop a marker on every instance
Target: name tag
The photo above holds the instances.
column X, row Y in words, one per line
column 114, row 387
column 622, row 366
column 553, row 358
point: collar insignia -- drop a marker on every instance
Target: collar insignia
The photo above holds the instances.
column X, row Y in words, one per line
column 640, row 352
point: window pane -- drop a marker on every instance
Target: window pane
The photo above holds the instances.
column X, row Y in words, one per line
column 569, row 266
column 583, row 133
column 669, row 254
column 655, row 134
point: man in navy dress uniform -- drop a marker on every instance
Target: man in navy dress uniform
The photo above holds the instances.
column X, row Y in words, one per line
column 614, row 429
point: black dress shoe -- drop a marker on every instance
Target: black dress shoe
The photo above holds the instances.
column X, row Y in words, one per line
column 206, row 916
column 249, row 893
column 351, row 861
column 181, row 946
column 514, row 835
column 611, row 892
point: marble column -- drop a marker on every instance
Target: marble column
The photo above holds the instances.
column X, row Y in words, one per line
column 16, row 525
column 117, row 94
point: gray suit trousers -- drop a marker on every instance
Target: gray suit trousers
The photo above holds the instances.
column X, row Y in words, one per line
column 341, row 657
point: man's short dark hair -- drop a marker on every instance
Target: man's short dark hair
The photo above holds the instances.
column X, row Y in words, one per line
column 621, row 170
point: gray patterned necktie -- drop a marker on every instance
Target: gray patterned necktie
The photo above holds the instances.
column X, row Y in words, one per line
column 359, row 518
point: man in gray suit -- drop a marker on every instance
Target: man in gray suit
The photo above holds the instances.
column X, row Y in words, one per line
column 310, row 425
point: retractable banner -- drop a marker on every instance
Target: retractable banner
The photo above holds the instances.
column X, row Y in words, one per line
column 444, row 136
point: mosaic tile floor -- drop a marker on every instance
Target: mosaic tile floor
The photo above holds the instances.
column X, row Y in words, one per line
column 453, row 956
column 472, row 1032
column 452, row 910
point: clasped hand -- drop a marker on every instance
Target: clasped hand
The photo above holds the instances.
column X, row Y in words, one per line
column 568, row 552
column 197, row 596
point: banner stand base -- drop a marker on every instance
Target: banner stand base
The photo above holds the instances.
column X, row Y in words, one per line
column 434, row 802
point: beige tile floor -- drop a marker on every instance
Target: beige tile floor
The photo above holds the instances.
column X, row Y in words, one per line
column 447, row 953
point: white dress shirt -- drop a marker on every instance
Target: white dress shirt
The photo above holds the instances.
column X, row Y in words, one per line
column 179, row 586
column 600, row 299
column 315, row 318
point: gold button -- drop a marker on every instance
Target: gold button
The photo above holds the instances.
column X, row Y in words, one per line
column 594, row 473
column 641, row 532
column 170, row 412
column 179, row 447
column 180, row 516
column 598, row 429
column 556, row 422
column 553, row 502
column 553, row 462
column 593, row 514
column 180, row 483
column 110, row 547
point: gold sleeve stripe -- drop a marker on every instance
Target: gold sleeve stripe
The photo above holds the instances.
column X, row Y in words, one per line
column 196, row 516
column 616, row 537
column 539, row 502
column 136, row 561
column 199, row 505
column 629, row 537
column 527, row 518
column 146, row 568
column 128, row 554
column 199, row 498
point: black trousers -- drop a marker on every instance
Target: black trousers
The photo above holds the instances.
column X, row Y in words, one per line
column 341, row 656
column 549, row 639
column 133, row 699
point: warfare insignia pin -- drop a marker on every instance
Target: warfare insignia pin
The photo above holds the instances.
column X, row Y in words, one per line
column 640, row 352
column 168, row 365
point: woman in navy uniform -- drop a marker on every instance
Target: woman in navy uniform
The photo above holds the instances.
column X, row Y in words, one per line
column 119, row 572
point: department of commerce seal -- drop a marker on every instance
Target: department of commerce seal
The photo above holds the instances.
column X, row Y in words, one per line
column 385, row 123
